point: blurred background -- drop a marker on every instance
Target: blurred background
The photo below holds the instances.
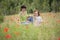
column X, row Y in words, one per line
column 9, row 7
column 13, row 6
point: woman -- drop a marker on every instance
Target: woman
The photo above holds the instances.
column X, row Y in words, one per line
column 37, row 18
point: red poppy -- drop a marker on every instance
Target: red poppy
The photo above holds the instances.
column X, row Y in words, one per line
column 6, row 29
column 58, row 38
column 8, row 36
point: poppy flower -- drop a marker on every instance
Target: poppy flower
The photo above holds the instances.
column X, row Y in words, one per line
column 58, row 38
column 6, row 29
column 8, row 36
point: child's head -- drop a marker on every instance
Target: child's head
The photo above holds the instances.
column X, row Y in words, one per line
column 23, row 8
column 36, row 13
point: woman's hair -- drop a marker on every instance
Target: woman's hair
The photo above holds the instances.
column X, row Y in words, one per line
column 23, row 7
column 37, row 11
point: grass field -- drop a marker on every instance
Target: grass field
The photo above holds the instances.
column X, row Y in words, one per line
column 48, row 30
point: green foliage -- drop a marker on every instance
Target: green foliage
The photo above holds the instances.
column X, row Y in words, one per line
column 8, row 7
column 1, row 18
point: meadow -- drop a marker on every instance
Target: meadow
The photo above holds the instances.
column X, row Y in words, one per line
column 49, row 29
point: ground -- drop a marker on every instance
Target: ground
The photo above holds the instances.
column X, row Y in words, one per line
column 10, row 29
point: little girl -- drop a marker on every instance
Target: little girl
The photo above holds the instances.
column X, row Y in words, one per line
column 37, row 18
column 24, row 18
column 23, row 13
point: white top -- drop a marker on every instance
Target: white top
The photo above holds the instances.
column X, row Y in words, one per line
column 37, row 20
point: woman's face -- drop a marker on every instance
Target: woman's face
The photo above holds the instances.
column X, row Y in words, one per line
column 36, row 13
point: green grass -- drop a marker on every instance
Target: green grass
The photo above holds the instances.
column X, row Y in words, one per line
column 48, row 30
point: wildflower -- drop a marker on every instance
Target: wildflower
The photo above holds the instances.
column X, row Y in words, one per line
column 6, row 29
column 8, row 36
column 58, row 38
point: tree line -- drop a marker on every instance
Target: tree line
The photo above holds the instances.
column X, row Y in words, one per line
column 8, row 7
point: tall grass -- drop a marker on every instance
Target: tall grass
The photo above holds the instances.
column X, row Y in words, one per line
column 48, row 30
